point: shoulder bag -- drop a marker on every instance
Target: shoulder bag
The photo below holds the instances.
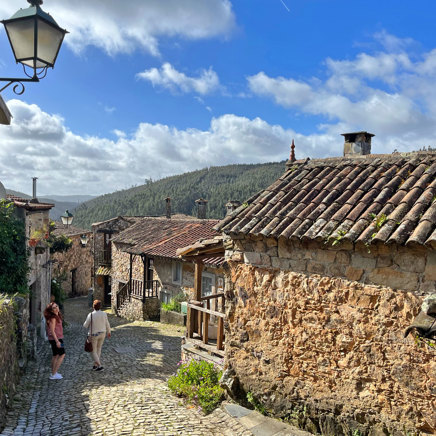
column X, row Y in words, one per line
column 88, row 343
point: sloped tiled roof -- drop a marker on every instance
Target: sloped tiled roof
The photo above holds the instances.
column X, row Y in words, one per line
column 162, row 236
column 29, row 204
column 387, row 198
column 129, row 219
column 62, row 229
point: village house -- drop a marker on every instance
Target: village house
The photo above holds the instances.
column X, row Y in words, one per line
column 74, row 267
column 146, row 269
column 36, row 221
column 327, row 267
column 101, row 246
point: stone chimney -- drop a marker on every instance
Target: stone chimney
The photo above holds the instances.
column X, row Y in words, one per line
column 201, row 208
column 231, row 206
column 357, row 143
column 168, row 201
column 34, row 198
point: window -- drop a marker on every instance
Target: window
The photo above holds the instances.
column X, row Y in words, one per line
column 177, row 273
column 165, row 296
column 207, row 284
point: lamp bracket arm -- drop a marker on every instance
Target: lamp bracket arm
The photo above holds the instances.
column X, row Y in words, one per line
column 19, row 87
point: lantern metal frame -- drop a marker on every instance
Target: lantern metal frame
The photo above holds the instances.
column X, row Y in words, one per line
column 67, row 218
column 38, row 73
column 84, row 239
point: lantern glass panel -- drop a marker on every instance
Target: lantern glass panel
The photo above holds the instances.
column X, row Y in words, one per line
column 21, row 34
column 49, row 42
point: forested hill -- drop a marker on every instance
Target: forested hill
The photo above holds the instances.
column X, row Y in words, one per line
column 218, row 185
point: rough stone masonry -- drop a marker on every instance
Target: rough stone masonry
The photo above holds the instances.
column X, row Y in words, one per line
column 316, row 334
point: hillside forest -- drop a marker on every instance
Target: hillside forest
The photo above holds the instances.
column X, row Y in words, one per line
column 218, row 185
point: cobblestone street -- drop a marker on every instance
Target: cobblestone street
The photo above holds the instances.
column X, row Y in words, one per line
column 130, row 397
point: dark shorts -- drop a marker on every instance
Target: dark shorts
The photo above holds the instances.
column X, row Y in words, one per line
column 55, row 350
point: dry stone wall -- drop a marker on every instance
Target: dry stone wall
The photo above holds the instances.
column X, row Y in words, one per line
column 316, row 335
column 8, row 358
column 17, row 344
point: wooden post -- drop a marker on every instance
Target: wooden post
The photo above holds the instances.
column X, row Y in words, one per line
column 144, row 277
column 220, row 334
column 197, row 279
column 190, row 323
column 130, row 273
column 206, row 328
column 200, row 319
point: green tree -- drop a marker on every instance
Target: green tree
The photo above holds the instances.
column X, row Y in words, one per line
column 14, row 267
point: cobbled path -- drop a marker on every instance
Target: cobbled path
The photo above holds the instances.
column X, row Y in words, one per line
column 130, row 397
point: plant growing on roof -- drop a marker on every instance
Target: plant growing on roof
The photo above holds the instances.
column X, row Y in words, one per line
column 337, row 239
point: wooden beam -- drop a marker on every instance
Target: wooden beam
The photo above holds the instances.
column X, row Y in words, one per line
column 210, row 312
column 211, row 297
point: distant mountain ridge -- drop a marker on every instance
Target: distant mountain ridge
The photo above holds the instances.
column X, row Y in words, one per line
column 218, row 185
column 61, row 202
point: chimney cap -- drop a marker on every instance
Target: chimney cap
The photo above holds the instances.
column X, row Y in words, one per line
column 202, row 200
column 358, row 133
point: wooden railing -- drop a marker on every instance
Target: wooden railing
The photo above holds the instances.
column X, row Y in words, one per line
column 198, row 320
column 123, row 295
column 136, row 287
column 150, row 290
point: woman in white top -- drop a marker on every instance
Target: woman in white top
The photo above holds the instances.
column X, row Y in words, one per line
column 98, row 330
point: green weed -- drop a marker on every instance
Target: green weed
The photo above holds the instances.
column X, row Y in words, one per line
column 198, row 382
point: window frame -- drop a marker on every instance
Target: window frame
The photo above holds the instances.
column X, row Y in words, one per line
column 174, row 267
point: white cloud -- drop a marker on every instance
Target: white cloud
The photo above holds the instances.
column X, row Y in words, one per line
column 122, row 27
column 389, row 93
column 39, row 144
column 168, row 77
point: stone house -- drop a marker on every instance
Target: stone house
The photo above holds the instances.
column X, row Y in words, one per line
column 35, row 218
column 74, row 266
column 101, row 246
column 145, row 264
column 328, row 266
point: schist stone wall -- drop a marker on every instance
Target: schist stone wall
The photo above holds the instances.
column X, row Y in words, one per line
column 17, row 344
column 162, row 271
column 120, row 271
column 79, row 259
column 315, row 333
column 101, row 231
column 8, row 358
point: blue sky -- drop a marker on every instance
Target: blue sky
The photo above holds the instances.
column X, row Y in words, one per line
column 162, row 87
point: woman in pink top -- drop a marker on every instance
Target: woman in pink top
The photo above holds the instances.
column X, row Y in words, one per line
column 55, row 335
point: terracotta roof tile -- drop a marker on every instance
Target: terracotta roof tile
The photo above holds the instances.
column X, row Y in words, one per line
column 29, row 204
column 163, row 237
column 389, row 198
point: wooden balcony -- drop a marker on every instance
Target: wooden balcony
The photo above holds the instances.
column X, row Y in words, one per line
column 150, row 290
column 198, row 321
column 136, row 289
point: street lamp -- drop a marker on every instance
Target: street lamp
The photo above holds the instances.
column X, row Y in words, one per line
column 67, row 218
column 35, row 38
